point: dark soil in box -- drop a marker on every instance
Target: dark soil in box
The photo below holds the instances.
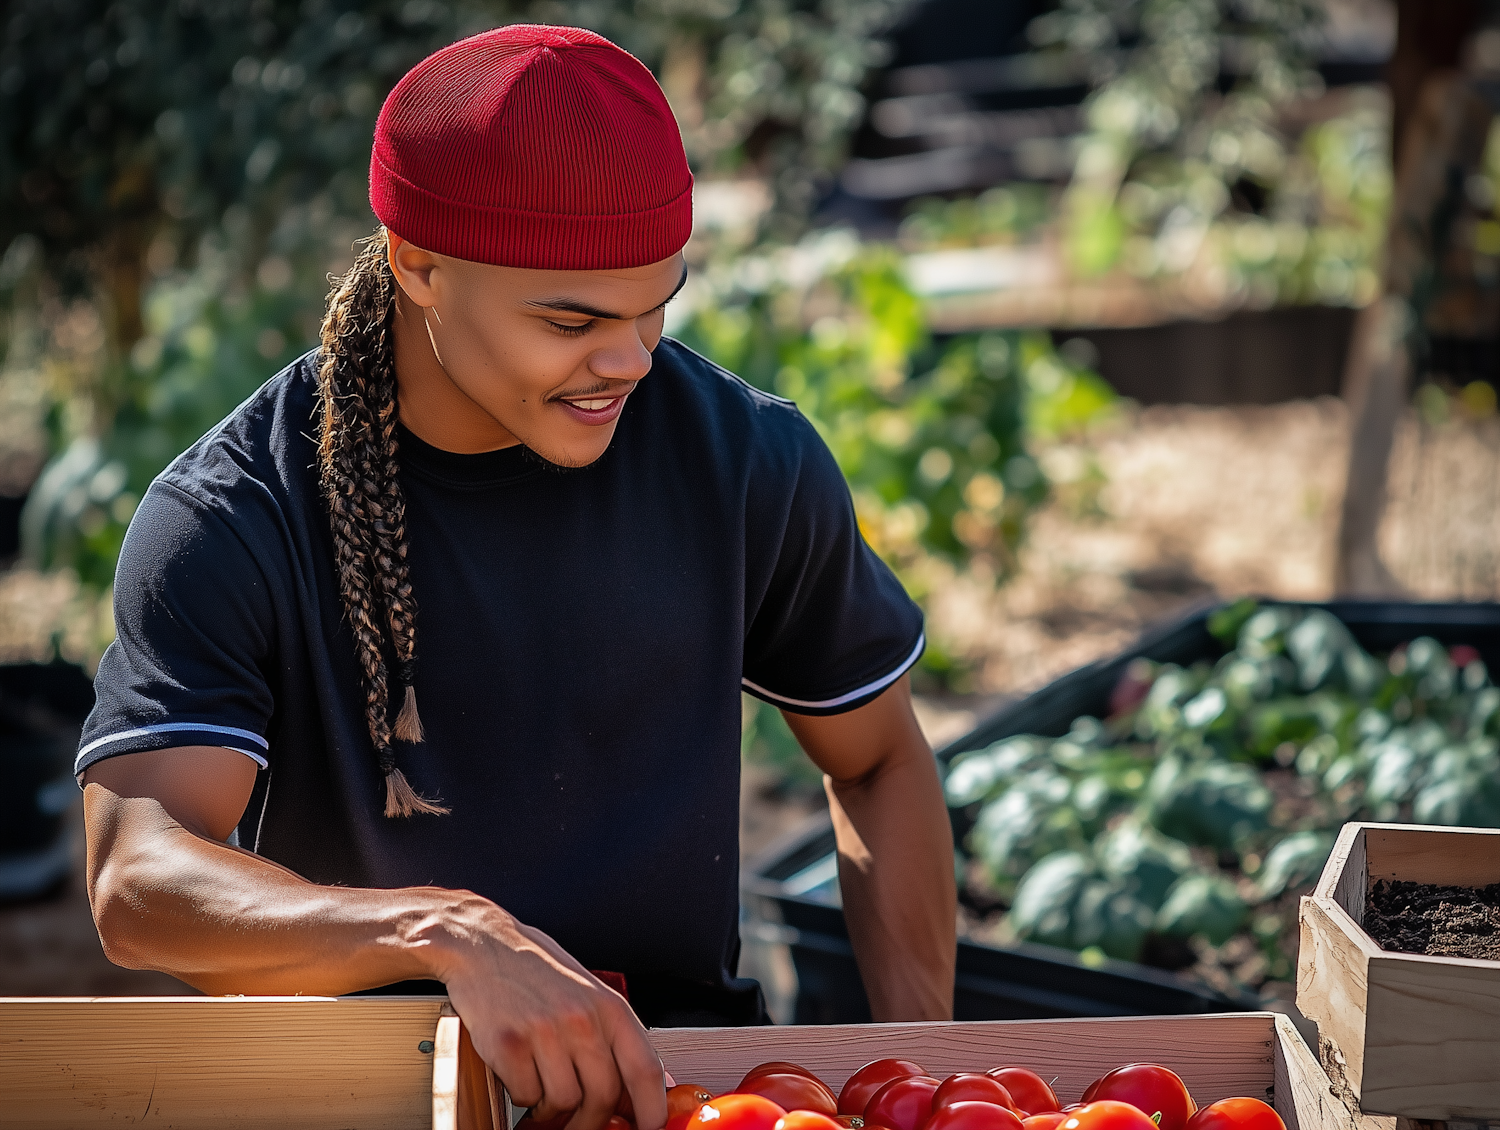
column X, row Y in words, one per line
column 1435, row 921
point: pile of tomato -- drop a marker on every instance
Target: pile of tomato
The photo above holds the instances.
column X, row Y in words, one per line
column 897, row 1094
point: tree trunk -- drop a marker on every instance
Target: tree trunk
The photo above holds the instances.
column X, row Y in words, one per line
column 1443, row 141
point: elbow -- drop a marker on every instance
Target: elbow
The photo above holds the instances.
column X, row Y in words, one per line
column 119, row 915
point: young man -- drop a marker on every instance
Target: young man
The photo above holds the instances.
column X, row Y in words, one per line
column 607, row 537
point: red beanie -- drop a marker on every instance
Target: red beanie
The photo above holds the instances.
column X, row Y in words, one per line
column 533, row 146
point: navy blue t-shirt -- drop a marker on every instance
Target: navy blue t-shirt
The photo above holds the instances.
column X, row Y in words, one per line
column 582, row 640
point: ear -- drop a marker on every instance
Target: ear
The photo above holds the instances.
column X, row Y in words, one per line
column 413, row 268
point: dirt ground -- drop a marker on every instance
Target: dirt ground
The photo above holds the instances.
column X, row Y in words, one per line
column 1196, row 502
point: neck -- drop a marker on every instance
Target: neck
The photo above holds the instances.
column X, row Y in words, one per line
column 435, row 409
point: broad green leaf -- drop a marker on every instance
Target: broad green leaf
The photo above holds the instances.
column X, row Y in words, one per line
column 1296, row 860
column 1206, row 906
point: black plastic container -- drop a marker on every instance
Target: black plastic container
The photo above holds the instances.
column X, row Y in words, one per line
column 42, row 706
column 787, row 891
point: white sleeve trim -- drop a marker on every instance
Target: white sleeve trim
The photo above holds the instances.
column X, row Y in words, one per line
column 179, row 727
column 258, row 758
column 860, row 692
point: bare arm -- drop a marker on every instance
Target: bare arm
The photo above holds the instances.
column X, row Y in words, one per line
column 169, row 894
column 895, row 852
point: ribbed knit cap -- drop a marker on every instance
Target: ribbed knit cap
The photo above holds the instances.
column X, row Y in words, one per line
column 533, row 146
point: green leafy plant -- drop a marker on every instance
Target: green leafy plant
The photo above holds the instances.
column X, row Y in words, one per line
column 1211, row 796
column 935, row 440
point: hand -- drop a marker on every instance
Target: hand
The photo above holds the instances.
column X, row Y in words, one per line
column 557, row 1037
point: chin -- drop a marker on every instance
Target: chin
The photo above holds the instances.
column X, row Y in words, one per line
column 571, row 456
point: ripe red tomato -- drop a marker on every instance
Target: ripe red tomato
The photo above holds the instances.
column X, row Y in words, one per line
column 1029, row 1092
column 973, row 1116
column 903, row 1104
column 736, row 1112
column 1236, row 1114
column 806, row 1120
column 1047, row 1120
column 863, row 1084
column 685, row 1098
column 777, row 1067
column 1107, row 1114
column 1148, row 1087
column 619, row 1122
column 792, row 1092
column 968, row 1086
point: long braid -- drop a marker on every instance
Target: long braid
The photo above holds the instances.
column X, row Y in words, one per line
column 367, row 511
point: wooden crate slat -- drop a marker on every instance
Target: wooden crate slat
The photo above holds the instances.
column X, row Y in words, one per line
column 1331, row 981
column 1346, row 869
column 1432, row 1039
column 1428, row 855
column 1304, row 1098
column 218, row 1062
column 1218, row 1056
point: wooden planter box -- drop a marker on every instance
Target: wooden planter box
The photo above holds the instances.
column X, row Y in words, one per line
column 377, row 1062
column 1411, row 1035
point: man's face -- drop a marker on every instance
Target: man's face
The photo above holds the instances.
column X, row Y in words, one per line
column 507, row 355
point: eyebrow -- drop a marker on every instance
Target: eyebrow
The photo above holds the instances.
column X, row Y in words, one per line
column 578, row 306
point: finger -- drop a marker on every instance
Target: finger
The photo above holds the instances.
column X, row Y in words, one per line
column 640, row 1068
column 597, row 1074
column 508, row 1054
column 667, row 1077
column 560, row 1090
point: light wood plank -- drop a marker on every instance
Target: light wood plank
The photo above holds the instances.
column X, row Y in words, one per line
column 187, row 1062
column 1304, row 1098
column 477, row 1108
column 1460, row 857
column 1218, row 1056
column 1432, row 1038
column 1332, row 979
column 1352, row 882
column 445, row 1071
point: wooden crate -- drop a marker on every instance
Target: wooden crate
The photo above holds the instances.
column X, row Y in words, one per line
column 361, row 1063
column 1258, row 1054
column 1411, row 1035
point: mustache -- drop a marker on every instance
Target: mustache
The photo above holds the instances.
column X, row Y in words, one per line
column 604, row 388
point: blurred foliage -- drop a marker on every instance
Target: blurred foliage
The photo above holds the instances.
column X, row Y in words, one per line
column 934, row 438
column 1002, row 215
column 1193, row 166
column 178, row 179
column 1315, row 234
column 121, row 117
column 1212, row 793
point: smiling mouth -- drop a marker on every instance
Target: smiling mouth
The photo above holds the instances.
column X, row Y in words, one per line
column 595, row 407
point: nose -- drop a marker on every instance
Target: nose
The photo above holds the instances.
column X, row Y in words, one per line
column 622, row 358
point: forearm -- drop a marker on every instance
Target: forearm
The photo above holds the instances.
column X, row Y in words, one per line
column 228, row 921
column 896, row 876
column 168, row 894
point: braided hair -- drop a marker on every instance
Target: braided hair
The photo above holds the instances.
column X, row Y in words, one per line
column 366, row 509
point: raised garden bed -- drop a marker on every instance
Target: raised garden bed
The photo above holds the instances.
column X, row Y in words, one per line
column 1412, row 1035
column 1305, row 725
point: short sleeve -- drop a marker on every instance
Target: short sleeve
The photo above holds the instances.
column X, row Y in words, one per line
column 829, row 626
column 187, row 666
